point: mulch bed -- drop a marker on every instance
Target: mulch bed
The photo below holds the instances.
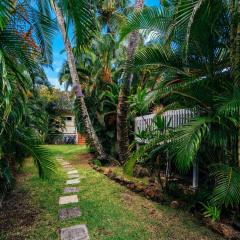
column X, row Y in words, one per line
column 17, row 215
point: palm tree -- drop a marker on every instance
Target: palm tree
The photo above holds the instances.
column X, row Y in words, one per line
column 197, row 74
column 25, row 45
column 111, row 14
column 235, row 50
column 99, row 72
column 123, row 108
column 83, row 20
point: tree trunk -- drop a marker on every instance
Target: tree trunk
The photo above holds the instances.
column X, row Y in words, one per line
column 232, row 34
column 91, row 134
column 237, row 70
column 123, row 108
column 236, row 47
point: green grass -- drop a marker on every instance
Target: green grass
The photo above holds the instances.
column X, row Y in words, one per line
column 109, row 210
column 119, row 171
column 68, row 152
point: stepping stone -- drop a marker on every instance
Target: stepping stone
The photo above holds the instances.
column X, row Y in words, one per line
column 69, row 213
column 70, row 168
column 68, row 199
column 72, row 172
column 73, row 181
column 73, row 176
column 78, row 232
column 71, row 189
column 65, row 163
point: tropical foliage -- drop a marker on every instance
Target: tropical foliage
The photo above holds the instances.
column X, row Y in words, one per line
column 197, row 73
column 123, row 62
column 25, row 46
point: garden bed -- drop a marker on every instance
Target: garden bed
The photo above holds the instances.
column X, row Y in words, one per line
column 151, row 190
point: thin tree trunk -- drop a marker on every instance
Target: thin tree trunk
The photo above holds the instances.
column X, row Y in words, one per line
column 232, row 34
column 237, row 70
column 237, row 47
column 91, row 134
column 123, row 108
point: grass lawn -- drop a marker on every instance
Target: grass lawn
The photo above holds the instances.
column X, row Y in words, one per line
column 109, row 210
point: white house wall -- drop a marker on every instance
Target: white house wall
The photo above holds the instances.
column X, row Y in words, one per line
column 70, row 127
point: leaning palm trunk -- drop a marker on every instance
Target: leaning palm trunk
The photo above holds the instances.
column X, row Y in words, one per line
column 122, row 108
column 91, row 134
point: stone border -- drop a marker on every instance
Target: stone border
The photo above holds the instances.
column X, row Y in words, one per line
column 152, row 192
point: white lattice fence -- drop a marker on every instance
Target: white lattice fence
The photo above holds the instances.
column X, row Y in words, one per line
column 172, row 119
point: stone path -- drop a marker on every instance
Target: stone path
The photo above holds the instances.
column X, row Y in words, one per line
column 77, row 232
column 68, row 199
column 69, row 213
column 73, row 176
column 73, row 181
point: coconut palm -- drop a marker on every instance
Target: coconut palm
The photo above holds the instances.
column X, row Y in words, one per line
column 111, row 14
column 81, row 14
column 98, row 72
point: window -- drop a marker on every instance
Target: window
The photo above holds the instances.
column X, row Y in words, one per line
column 69, row 118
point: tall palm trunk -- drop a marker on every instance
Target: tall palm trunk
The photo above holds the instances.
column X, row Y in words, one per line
column 123, row 108
column 91, row 134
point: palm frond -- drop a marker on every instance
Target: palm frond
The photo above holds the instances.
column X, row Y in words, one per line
column 43, row 160
column 153, row 21
column 187, row 141
column 81, row 14
column 6, row 8
column 159, row 58
column 229, row 102
column 227, row 187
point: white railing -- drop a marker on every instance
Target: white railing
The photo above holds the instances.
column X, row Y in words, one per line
column 172, row 119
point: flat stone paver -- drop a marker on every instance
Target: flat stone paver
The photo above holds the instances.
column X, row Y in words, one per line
column 71, row 189
column 73, row 181
column 72, row 172
column 68, row 199
column 70, row 168
column 67, row 166
column 69, row 213
column 78, row 232
column 65, row 163
column 73, row 176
